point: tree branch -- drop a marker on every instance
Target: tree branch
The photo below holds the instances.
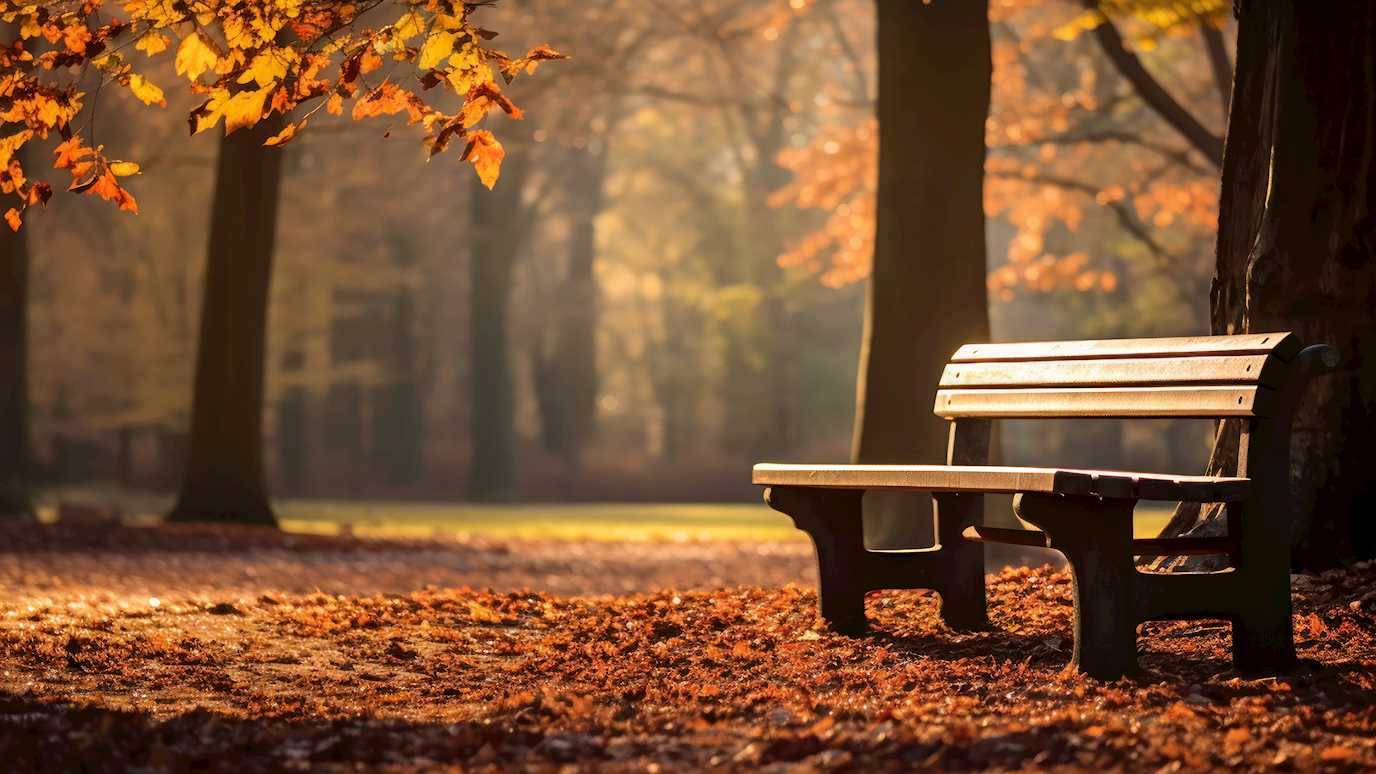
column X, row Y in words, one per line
column 1151, row 92
column 1127, row 218
column 1219, row 62
column 1176, row 155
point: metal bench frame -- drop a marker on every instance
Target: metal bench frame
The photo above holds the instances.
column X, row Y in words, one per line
column 1086, row 515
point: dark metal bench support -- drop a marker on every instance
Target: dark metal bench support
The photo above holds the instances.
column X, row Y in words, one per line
column 1096, row 537
column 846, row 570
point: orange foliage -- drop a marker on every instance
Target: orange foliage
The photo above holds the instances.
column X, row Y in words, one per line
column 1063, row 144
column 248, row 60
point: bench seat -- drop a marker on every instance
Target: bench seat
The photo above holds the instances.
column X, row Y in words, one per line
column 995, row 479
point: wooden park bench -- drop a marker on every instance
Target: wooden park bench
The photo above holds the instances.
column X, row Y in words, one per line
column 1085, row 514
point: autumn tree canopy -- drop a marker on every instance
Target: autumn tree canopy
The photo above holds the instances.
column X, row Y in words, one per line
column 406, row 58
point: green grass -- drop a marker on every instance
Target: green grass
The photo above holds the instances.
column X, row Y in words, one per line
column 596, row 521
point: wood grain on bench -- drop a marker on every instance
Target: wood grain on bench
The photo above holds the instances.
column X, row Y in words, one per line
column 1121, row 402
column 1007, row 480
column 1283, row 346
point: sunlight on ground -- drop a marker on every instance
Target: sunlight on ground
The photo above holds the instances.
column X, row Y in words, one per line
column 596, row 521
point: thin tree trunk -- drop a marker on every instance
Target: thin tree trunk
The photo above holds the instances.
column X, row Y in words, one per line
column 224, row 468
column 398, row 419
column 927, row 293
column 14, row 376
column 293, row 429
column 575, row 352
column 1297, row 239
column 495, row 244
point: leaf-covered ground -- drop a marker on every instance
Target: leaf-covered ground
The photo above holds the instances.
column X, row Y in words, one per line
column 241, row 664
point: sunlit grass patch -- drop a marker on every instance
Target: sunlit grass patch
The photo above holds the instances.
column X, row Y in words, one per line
column 552, row 521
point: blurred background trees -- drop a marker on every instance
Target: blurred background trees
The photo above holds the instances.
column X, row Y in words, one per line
column 666, row 283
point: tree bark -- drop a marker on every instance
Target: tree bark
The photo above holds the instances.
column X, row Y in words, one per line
column 495, row 239
column 927, row 293
column 1296, row 243
column 223, row 481
column 14, row 376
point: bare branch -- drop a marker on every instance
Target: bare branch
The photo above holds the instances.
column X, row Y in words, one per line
column 1176, row 155
column 1219, row 62
column 1152, row 93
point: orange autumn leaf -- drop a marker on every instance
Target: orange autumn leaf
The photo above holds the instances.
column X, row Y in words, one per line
column 285, row 136
column 485, row 153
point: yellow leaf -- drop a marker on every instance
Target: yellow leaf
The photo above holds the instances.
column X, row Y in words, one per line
column 408, row 26
column 244, row 109
column 451, row 23
column 124, row 168
column 209, row 114
column 195, row 55
column 146, row 91
column 485, row 153
column 267, row 68
column 286, row 135
column 153, row 43
column 10, row 144
column 12, row 218
column 437, row 47
column 334, row 105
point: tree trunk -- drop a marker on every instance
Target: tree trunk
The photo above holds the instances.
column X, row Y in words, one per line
column 1296, row 242
column 224, row 468
column 495, row 240
column 398, row 421
column 575, row 349
column 293, row 428
column 14, row 376
column 927, row 293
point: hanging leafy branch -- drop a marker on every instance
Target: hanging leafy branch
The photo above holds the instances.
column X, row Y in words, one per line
column 248, row 60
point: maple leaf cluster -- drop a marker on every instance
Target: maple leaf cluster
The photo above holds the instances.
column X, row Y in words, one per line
column 248, row 61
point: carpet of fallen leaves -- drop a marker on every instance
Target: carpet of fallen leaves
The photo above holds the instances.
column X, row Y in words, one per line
column 265, row 651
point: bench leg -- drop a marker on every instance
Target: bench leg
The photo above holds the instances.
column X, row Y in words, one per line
column 1096, row 537
column 1264, row 642
column 1263, row 632
column 963, row 601
column 835, row 522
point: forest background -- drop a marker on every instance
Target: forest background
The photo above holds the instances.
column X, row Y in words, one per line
column 686, row 216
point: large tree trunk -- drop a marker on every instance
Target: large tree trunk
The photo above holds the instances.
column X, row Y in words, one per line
column 1296, row 242
column 14, row 376
column 224, row 467
column 927, row 294
column 495, row 241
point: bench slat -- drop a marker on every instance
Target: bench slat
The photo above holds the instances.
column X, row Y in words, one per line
column 1281, row 345
column 1123, row 372
column 1122, row 402
column 1007, row 480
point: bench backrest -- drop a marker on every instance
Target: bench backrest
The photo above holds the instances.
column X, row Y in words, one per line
column 1203, row 376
